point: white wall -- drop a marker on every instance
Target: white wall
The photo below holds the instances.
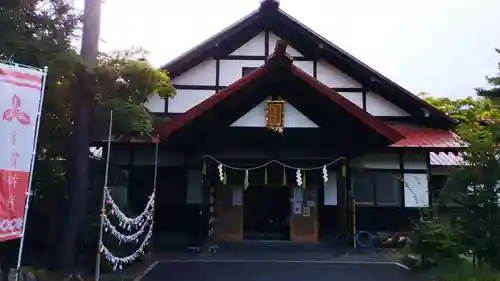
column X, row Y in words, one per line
column 354, row 97
column 202, row 74
column 273, row 39
column 330, row 189
column 184, row 100
column 155, row 104
column 257, row 118
column 306, row 66
column 411, row 161
column 231, row 71
column 378, row 106
column 254, row 47
column 416, row 190
column 376, row 161
column 333, row 77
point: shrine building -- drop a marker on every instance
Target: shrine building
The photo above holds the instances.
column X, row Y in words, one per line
column 275, row 133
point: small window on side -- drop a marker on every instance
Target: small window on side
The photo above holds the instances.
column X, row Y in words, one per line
column 246, row 70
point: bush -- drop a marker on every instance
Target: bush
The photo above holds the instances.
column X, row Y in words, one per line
column 461, row 271
column 436, row 242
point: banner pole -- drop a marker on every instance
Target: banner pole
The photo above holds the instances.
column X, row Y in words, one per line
column 103, row 203
column 30, row 178
column 156, row 161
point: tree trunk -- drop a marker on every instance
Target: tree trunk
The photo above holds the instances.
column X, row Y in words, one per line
column 78, row 172
column 79, row 150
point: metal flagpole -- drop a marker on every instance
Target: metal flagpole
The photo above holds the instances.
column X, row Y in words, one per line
column 103, row 203
column 156, row 163
column 30, row 178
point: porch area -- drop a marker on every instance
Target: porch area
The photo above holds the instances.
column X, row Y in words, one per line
column 195, row 206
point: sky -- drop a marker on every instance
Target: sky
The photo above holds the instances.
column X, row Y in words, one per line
column 445, row 47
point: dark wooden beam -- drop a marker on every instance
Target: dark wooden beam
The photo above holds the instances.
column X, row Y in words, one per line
column 198, row 87
column 266, row 44
column 214, row 87
column 402, row 174
column 263, row 58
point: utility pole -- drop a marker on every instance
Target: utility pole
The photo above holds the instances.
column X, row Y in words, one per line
column 91, row 32
column 82, row 114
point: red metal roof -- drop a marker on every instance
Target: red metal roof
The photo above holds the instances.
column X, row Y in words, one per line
column 426, row 137
column 282, row 59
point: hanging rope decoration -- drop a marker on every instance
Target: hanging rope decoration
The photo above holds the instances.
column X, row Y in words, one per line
column 246, row 183
column 125, row 238
column 325, row 174
column 300, row 171
column 139, row 223
column 126, row 222
column 118, row 262
column 298, row 177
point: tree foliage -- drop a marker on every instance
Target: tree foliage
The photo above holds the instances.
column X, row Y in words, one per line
column 492, row 92
column 477, row 228
column 42, row 33
column 125, row 85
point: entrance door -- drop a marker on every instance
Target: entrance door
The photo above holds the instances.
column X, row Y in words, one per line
column 266, row 213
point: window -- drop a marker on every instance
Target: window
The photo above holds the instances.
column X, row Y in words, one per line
column 376, row 188
column 246, row 70
column 387, row 188
column 363, row 188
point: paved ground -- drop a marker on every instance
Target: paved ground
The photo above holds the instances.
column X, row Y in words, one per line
column 198, row 270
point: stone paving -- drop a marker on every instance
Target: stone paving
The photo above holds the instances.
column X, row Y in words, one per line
column 261, row 262
column 276, row 271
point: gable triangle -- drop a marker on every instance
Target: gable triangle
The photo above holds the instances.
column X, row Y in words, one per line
column 256, row 117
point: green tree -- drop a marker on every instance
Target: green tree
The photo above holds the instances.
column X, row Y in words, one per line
column 40, row 35
column 480, row 210
column 465, row 110
column 479, row 213
column 493, row 92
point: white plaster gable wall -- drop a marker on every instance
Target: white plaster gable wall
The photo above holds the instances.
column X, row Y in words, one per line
column 273, row 39
column 202, row 74
column 256, row 117
column 378, row 106
column 354, row 97
column 184, row 100
column 155, row 104
column 333, row 77
column 253, row 47
column 306, row 66
column 231, row 71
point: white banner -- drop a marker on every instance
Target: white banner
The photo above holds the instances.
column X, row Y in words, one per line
column 21, row 92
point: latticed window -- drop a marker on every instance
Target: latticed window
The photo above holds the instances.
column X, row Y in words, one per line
column 376, row 188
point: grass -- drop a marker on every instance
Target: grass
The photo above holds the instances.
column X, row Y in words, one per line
column 128, row 274
column 461, row 271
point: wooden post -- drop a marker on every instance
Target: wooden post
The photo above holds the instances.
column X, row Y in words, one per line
column 82, row 113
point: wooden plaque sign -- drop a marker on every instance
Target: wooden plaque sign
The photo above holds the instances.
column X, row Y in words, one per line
column 275, row 115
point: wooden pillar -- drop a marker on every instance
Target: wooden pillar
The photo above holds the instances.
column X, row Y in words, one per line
column 208, row 193
column 346, row 204
column 433, row 210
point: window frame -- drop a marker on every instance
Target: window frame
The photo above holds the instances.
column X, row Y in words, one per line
column 246, row 70
column 374, row 187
